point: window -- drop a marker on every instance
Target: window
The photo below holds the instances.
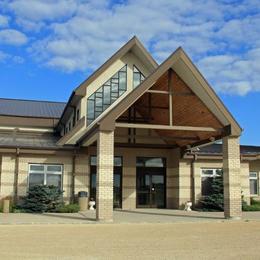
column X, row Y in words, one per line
column 45, row 174
column 138, row 77
column 77, row 115
column 253, row 182
column 150, row 162
column 207, row 176
column 106, row 95
column 117, row 187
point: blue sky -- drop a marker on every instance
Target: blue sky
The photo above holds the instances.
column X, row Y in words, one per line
column 48, row 47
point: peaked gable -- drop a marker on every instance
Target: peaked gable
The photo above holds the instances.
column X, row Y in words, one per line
column 204, row 95
column 133, row 45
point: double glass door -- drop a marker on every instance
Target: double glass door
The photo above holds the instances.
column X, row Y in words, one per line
column 150, row 187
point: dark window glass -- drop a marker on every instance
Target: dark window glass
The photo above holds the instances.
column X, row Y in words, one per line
column 150, row 162
column 53, row 179
column 36, row 179
column 253, row 181
column 77, row 114
column 117, row 161
column 106, row 94
column 206, row 186
column 138, row 77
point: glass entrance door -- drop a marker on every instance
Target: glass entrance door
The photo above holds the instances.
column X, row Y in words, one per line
column 150, row 187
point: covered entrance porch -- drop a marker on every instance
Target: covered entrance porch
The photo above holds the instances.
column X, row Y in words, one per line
column 173, row 111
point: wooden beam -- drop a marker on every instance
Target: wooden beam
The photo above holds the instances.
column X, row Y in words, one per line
column 152, row 107
column 182, row 94
column 192, row 138
column 167, row 127
column 157, row 91
column 150, row 146
column 170, row 88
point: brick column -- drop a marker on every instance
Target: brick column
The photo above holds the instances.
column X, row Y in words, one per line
column 105, row 162
column 232, row 180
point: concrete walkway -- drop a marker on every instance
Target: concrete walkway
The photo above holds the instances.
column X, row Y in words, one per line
column 120, row 216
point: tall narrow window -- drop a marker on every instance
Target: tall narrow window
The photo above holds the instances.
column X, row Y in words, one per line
column 106, row 95
column 253, row 181
column 138, row 77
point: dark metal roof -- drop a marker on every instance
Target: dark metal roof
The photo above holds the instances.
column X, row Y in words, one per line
column 20, row 140
column 214, row 149
column 31, row 108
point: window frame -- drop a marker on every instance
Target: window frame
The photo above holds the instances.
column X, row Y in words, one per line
column 140, row 75
column 255, row 178
column 45, row 172
column 99, row 102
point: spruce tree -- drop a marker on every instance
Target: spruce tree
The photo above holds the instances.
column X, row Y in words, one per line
column 215, row 201
column 42, row 198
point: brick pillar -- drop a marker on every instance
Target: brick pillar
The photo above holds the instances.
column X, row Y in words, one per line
column 232, row 180
column 105, row 161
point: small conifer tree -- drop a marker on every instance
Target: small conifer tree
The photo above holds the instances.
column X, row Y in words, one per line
column 215, row 201
column 42, row 198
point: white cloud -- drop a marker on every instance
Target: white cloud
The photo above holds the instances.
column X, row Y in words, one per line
column 42, row 9
column 222, row 37
column 4, row 21
column 233, row 74
column 12, row 37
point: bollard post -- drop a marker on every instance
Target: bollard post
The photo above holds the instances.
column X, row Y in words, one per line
column 6, row 206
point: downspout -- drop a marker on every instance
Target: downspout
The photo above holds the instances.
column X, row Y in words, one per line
column 73, row 177
column 16, row 172
column 193, row 195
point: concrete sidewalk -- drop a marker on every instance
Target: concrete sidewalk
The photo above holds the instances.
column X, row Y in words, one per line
column 120, row 216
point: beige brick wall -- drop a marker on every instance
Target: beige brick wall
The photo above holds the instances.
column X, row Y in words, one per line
column 82, row 173
column 175, row 196
column 8, row 173
column 7, row 176
column 172, row 177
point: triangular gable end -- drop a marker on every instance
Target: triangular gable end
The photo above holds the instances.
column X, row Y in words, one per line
column 132, row 45
column 193, row 104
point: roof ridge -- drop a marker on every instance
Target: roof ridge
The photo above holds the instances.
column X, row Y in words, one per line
column 33, row 100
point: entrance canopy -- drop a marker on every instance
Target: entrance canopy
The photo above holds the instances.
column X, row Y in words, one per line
column 175, row 104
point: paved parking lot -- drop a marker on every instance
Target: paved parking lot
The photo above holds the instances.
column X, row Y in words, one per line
column 211, row 240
